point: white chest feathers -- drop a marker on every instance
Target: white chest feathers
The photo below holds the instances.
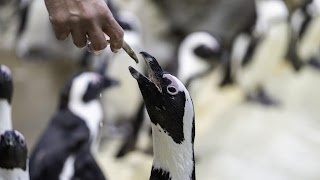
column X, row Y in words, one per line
column 14, row 174
column 172, row 157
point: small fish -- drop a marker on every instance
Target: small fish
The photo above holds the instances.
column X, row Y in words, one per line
column 125, row 47
column 130, row 51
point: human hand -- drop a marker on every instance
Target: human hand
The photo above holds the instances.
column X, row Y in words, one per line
column 85, row 18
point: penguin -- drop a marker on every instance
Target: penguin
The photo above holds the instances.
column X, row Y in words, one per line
column 305, row 24
column 198, row 54
column 67, row 146
column 255, row 56
column 13, row 156
column 172, row 116
column 13, row 148
column 6, row 92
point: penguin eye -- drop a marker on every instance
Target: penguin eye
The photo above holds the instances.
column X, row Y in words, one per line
column 172, row 90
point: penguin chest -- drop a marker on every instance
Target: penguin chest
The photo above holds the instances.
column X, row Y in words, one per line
column 13, row 174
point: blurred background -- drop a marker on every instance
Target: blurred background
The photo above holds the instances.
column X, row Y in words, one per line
column 255, row 91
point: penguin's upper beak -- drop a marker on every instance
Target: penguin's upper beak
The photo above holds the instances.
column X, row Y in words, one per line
column 155, row 72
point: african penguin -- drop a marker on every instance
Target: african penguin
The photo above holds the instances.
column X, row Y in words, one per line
column 171, row 111
column 198, row 54
column 6, row 91
column 13, row 156
column 255, row 56
column 67, row 146
column 305, row 24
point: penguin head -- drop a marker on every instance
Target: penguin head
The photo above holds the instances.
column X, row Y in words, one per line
column 6, row 85
column 197, row 53
column 167, row 100
column 84, row 87
column 13, row 150
column 202, row 46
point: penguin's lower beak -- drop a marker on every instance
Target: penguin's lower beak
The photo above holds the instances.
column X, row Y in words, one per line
column 155, row 72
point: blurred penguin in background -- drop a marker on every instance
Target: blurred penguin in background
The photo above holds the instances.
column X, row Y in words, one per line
column 12, row 21
column 305, row 24
column 208, row 46
column 256, row 56
column 67, row 146
column 13, row 147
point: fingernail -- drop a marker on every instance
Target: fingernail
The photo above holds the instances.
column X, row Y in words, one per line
column 97, row 52
column 115, row 50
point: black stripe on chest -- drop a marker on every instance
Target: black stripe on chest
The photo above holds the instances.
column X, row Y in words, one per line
column 159, row 174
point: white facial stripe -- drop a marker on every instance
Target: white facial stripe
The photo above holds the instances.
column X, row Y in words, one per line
column 91, row 112
column 175, row 82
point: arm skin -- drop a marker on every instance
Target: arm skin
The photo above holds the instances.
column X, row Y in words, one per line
column 84, row 18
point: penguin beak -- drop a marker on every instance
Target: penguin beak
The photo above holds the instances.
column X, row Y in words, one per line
column 8, row 139
column 155, row 72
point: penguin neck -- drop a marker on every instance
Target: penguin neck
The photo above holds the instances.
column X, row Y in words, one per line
column 91, row 113
column 172, row 160
column 5, row 115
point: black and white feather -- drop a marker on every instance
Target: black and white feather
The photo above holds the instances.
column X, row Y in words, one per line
column 13, row 156
column 170, row 108
column 67, row 146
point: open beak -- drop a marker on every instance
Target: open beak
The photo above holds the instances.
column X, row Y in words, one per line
column 155, row 72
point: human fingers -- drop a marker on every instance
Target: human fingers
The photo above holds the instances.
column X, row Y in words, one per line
column 97, row 39
column 79, row 37
column 114, row 31
column 61, row 31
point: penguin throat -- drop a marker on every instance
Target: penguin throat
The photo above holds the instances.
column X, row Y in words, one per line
column 177, row 160
column 5, row 115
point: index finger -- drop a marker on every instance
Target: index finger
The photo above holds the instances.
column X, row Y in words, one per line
column 115, row 32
